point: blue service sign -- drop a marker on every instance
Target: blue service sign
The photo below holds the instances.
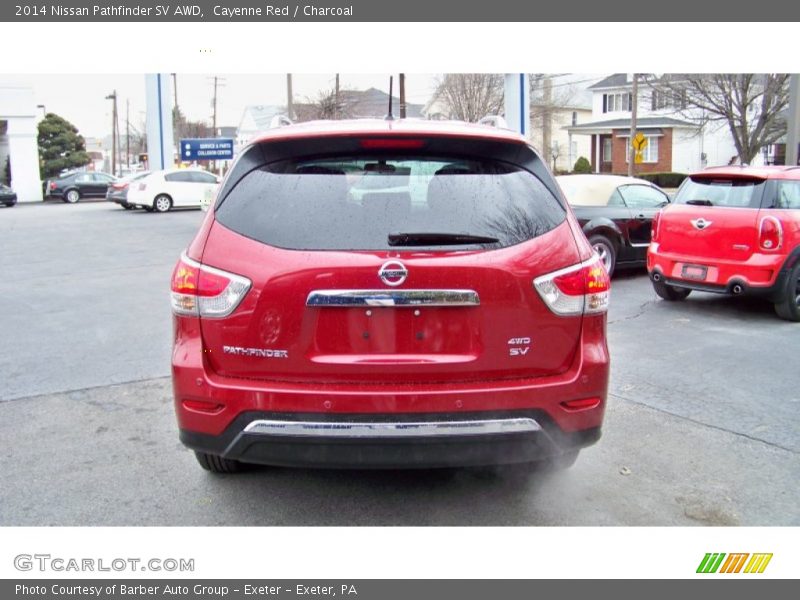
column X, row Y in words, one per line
column 207, row 149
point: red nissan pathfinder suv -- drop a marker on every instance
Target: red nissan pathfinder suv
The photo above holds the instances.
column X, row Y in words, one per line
column 389, row 294
column 731, row 230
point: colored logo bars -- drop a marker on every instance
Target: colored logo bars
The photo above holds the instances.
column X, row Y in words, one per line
column 713, row 563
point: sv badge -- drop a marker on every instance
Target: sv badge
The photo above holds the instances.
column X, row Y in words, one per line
column 519, row 346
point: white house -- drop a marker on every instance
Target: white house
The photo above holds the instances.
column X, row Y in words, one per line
column 18, row 141
column 256, row 119
column 674, row 142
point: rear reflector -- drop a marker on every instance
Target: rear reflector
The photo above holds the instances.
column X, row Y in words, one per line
column 392, row 143
column 580, row 289
column 200, row 290
column 203, row 406
column 582, row 404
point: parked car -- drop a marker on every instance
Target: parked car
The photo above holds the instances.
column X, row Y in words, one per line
column 732, row 230
column 74, row 186
column 118, row 191
column 162, row 191
column 616, row 214
column 7, row 196
column 462, row 326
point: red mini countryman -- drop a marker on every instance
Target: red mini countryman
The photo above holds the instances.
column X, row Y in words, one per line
column 389, row 294
column 732, row 230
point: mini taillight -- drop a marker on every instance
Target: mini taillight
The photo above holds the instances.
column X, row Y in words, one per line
column 580, row 289
column 392, row 143
column 654, row 226
column 770, row 233
column 200, row 290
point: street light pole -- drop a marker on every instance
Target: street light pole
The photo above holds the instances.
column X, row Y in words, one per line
column 114, row 127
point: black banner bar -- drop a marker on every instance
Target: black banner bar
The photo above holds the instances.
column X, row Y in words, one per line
column 402, row 10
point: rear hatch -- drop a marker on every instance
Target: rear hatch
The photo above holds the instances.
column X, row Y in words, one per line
column 421, row 273
column 712, row 217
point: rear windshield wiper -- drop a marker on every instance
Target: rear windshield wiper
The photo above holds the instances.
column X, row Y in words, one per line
column 700, row 202
column 438, row 239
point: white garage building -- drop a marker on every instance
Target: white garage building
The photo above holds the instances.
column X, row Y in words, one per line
column 18, row 118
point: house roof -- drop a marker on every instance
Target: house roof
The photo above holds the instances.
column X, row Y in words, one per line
column 641, row 123
column 262, row 114
column 362, row 104
column 615, row 80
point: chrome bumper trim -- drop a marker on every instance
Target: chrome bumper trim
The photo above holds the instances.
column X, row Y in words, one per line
column 392, row 429
column 354, row 298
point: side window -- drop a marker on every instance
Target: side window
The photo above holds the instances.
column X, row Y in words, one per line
column 179, row 177
column 83, row 178
column 643, row 196
column 787, row 195
column 201, row 177
column 102, row 178
column 616, row 199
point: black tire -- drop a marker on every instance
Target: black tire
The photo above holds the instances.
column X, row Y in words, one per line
column 217, row 464
column 128, row 206
column 789, row 306
column 162, row 203
column 10, row 204
column 148, row 208
column 71, row 196
column 606, row 250
column 670, row 292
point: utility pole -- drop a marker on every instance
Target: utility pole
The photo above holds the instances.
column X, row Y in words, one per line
column 634, row 106
column 175, row 88
column 547, row 119
column 114, row 129
column 336, row 108
column 289, row 97
column 128, row 133
column 402, row 95
column 793, row 120
column 218, row 82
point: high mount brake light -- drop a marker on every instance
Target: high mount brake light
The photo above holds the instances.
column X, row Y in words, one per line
column 200, row 290
column 392, row 143
column 580, row 289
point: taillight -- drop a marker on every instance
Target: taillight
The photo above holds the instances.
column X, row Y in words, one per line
column 200, row 290
column 52, row 185
column 770, row 233
column 654, row 226
column 580, row 289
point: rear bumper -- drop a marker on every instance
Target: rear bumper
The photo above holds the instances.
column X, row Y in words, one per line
column 389, row 441
column 763, row 275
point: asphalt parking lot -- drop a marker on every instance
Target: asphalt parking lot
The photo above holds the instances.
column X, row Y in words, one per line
column 702, row 428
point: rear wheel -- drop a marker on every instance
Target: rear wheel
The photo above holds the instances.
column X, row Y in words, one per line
column 217, row 464
column 127, row 206
column 72, row 196
column 606, row 251
column 162, row 203
column 670, row 292
column 789, row 306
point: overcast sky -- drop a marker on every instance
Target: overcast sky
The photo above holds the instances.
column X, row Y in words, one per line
column 81, row 98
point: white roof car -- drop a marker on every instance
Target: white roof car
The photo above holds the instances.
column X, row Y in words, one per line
column 174, row 188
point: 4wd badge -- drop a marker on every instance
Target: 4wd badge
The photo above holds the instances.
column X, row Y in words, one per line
column 519, row 346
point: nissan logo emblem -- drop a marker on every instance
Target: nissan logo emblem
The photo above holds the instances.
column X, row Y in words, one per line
column 393, row 273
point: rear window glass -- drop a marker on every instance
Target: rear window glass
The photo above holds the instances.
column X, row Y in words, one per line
column 356, row 203
column 731, row 192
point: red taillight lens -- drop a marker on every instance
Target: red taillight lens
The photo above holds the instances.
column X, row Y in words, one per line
column 200, row 290
column 770, row 233
column 52, row 185
column 579, row 289
column 392, row 143
column 654, row 226
column 582, row 404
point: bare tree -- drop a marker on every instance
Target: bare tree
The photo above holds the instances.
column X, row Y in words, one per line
column 327, row 104
column 470, row 96
column 749, row 104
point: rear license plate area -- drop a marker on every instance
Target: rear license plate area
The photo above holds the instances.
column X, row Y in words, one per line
column 695, row 272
